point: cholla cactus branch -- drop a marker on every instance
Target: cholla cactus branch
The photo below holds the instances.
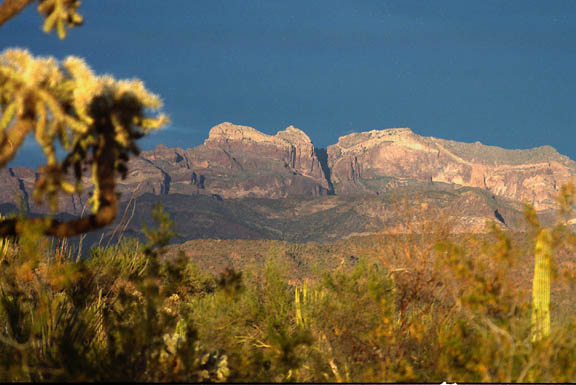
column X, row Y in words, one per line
column 11, row 142
column 58, row 14
column 96, row 120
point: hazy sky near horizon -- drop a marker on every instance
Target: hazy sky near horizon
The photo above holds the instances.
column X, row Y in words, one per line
column 499, row 72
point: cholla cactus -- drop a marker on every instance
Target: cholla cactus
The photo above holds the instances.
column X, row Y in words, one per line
column 4, row 248
column 95, row 119
column 541, row 286
column 298, row 295
column 305, row 300
column 60, row 14
column 4, row 245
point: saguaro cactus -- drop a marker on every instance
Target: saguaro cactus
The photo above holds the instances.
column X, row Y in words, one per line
column 541, row 285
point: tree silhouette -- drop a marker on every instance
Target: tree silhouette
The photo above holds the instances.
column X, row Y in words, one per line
column 95, row 120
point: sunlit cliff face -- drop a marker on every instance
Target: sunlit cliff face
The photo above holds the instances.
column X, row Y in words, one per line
column 238, row 162
column 532, row 176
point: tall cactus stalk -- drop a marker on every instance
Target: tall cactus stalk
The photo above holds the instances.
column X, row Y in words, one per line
column 4, row 245
column 306, row 299
column 541, row 286
column 298, row 306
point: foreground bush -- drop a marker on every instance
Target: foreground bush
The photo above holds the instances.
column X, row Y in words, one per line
column 128, row 313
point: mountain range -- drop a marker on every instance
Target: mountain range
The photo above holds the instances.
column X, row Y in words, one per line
column 249, row 185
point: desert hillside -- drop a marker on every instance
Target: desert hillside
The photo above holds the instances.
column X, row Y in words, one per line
column 244, row 184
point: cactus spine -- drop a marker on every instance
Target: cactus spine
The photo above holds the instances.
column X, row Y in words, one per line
column 541, row 286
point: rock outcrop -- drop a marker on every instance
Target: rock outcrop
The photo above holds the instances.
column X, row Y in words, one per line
column 234, row 162
column 17, row 186
column 239, row 161
column 242, row 162
column 380, row 160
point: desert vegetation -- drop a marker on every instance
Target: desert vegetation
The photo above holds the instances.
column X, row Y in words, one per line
column 421, row 305
column 425, row 307
column 94, row 120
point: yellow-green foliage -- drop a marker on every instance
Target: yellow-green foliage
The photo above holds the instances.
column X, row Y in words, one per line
column 489, row 336
column 4, row 248
column 541, row 285
column 104, row 319
column 4, row 245
column 129, row 313
column 306, row 299
column 65, row 103
column 547, row 240
column 60, row 14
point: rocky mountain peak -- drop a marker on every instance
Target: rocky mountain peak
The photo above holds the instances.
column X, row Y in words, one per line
column 360, row 142
column 229, row 132
column 294, row 135
column 373, row 161
column 232, row 132
column 239, row 161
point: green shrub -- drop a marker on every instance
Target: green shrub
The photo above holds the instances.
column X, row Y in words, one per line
column 132, row 312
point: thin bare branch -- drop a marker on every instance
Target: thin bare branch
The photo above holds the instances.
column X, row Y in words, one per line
column 10, row 8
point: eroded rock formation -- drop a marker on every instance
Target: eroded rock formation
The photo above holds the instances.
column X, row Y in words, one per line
column 379, row 160
column 240, row 162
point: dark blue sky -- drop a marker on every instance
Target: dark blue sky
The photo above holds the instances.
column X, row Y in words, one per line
column 501, row 72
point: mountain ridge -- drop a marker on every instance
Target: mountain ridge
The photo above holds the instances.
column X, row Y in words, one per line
column 238, row 161
column 361, row 162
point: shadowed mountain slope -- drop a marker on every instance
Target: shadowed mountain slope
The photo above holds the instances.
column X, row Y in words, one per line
column 242, row 183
